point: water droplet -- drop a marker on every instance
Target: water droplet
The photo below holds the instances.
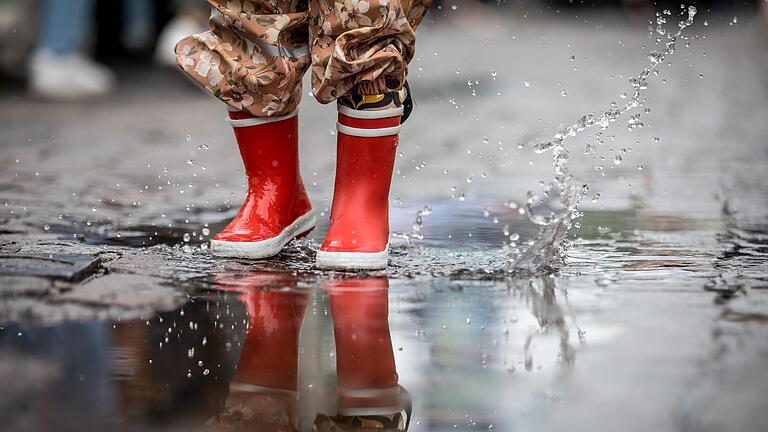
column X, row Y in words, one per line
column 526, row 83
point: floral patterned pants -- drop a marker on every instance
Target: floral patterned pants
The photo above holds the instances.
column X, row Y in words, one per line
column 256, row 52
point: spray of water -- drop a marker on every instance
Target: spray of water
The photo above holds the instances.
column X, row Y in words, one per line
column 547, row 250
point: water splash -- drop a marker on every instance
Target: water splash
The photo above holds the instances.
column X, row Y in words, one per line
column 548, row 250
column 416, row 229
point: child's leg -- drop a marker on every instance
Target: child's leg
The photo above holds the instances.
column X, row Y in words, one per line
column 360, row 56
column 364, row 50
column 253, row 58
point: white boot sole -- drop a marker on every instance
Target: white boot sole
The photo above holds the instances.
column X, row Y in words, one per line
column 353, row 260
column 264, row 248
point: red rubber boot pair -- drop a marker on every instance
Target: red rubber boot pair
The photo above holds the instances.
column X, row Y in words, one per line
column 277, row 209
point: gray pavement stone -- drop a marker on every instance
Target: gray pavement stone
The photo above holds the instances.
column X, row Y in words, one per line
column 68, row 267
column 17, row 286
column 132, row 292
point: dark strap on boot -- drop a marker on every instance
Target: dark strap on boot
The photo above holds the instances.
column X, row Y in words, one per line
column 383, row 101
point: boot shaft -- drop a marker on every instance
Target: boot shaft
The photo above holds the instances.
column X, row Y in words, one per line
column 366, row 148
column 268, row 147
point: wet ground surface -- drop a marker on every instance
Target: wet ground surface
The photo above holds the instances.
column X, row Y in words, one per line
column 658, row 320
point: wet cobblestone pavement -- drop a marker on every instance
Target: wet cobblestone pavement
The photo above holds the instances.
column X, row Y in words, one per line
column 658, row 321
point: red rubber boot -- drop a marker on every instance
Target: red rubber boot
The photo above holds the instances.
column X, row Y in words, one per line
column 276, row 207
column 358, row 238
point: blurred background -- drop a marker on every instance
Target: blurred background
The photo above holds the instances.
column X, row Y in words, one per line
column 75, row 49
column 94, row 81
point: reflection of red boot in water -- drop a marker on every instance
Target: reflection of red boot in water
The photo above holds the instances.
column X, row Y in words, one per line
column 263, row 392
column 276, row 207
column 368, row 390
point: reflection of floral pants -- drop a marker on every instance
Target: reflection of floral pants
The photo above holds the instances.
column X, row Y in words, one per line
column 256, row 52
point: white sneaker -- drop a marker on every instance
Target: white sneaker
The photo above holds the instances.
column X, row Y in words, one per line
column 68, row 76
column 180, row 27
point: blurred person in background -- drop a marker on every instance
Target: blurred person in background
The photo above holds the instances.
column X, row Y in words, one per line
column 59, row 68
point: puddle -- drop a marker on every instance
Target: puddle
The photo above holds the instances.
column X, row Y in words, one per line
column 277, row 345
column 266, row 351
